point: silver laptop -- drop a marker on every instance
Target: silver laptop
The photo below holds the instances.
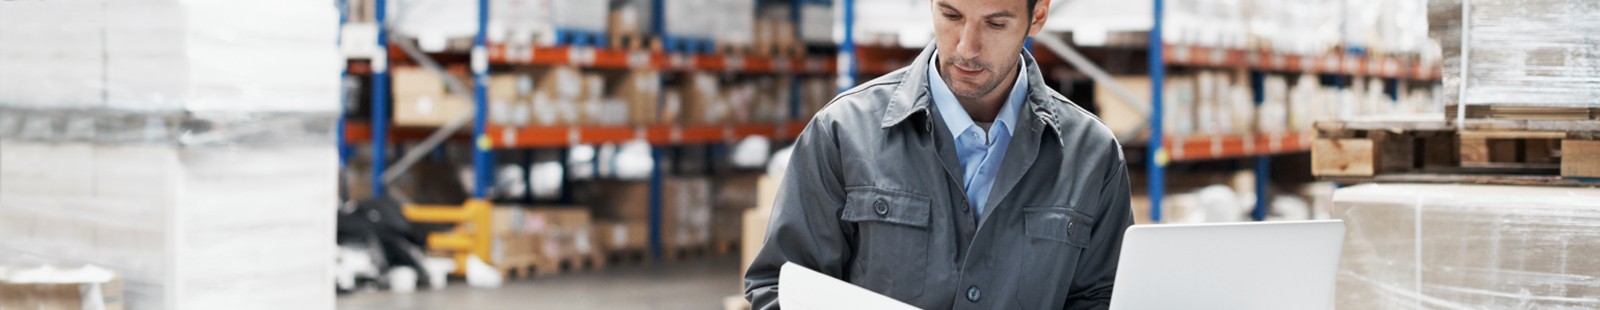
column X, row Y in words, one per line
column 1261, row 265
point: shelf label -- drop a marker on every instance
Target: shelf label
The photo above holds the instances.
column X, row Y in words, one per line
column 676, row 134
column 580, row 56
column 679, row 61
column 1218, row 56
column 508, row 136
column 1216, row 146
column 574, row 136
column 733, row 63
column 1180, row 54
column 1279, row 63
column 480, row 60
column 639, row 59
column 1275, row 142
column 380, row 60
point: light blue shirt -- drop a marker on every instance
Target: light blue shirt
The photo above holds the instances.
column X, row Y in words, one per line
column 979, row 152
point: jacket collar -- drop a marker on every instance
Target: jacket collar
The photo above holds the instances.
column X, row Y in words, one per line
column 912, row 96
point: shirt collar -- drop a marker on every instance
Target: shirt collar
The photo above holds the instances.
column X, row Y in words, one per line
column 956, row 117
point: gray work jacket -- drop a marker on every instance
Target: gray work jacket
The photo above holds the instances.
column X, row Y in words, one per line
column 873, row 197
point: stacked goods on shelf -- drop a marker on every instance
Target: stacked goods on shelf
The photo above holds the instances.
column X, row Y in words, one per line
column 1520, row 55
column 685, row 208
column 1448, row 246
column 735, row 195
column 815, row 93
column 907, row 24
column 685, row 213
column 633, row 98
column 697, row 100
column 133, row 137
column 541, row 236
column 450, row 25
column 1211, row 102
column 629, row 23
column 613, row 236
column 422, row 99
column 565, row 96
column 733, row 24
column 763, row 100
column 816, row 26
column 775, row 32
column 1227, row 197
column 686, row 26
column 1302, row 27
column 755, row 221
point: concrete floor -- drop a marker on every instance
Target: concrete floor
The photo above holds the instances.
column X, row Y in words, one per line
column 693, row 284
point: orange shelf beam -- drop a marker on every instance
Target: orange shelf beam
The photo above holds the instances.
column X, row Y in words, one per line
column 1208, row 147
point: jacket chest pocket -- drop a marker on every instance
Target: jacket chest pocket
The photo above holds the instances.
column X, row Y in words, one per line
column 1057, row 237
column 893, row 238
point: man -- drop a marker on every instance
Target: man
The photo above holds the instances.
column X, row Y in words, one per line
column 961, row 181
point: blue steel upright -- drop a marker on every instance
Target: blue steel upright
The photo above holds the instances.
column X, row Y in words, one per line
column 380, row 100
column 1156, row 157
column 483, row 176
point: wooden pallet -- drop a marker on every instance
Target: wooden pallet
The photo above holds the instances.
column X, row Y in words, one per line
column 523, row 267
column 1517, row 112
column 637, row 256
column 685, row 252
column 723, row 247
column 1435, row 150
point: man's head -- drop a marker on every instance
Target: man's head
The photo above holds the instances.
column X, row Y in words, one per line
column 979, row 40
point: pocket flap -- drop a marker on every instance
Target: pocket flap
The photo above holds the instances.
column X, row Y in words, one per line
column 1058, row 224
column 872, row 204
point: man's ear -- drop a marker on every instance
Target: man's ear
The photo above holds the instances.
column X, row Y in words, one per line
column 1041, row 12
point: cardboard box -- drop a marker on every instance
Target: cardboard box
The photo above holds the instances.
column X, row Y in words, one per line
column 640, row 91
column 737, row 191
column 685, row 212
column 755, row 221
column 420, row 98
column 1483, row 246
column 551, row 231
column 558, row 96
column 702, row 99
column 622, row 235
column 1121, row 116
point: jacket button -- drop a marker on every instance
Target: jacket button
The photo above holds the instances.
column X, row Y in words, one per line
column 973, row 294
column 965, row 206
column 880, row 207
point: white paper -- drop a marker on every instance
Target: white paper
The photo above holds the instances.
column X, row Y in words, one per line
column 807, row 289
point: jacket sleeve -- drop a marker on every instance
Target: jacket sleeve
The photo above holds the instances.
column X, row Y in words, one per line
column 805, row 226
column 1097, row 271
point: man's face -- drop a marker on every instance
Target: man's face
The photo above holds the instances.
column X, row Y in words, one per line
column 979, row 41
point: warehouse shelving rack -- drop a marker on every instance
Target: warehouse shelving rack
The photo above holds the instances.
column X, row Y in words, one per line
column 485, row 137
column 1161, row 151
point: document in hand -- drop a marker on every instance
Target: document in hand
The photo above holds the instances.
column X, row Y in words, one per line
column 803, row 288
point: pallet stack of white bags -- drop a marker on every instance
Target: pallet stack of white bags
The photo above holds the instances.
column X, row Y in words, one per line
column 186, row 145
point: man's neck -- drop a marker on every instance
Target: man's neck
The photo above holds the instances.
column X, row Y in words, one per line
column 984, row 109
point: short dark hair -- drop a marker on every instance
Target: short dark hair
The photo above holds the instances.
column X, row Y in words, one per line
column 1031, row 5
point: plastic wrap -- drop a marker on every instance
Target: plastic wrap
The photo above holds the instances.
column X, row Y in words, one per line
column 167, row 55
column 185, row 145
column 1414, row 246
column 1520, row 52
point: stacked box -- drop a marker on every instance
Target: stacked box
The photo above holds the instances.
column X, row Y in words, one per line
column 422, row 99
column 735, row 194
column 638, row 94
column 701, row 100
column 755, row 221
column 630, row 17
column 816, row 22
column 621, row 235
column 734, row 22
column 192, row 156
column 548, row 231
column 1520, row 52
column 685, row 208
column 1461, row 246
column 440, row 25
column 688, row 19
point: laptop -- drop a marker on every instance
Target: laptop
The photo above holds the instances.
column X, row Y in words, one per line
column 1258, row 265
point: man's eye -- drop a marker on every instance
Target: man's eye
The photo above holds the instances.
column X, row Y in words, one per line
column 952, row 16
column 997, row 25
